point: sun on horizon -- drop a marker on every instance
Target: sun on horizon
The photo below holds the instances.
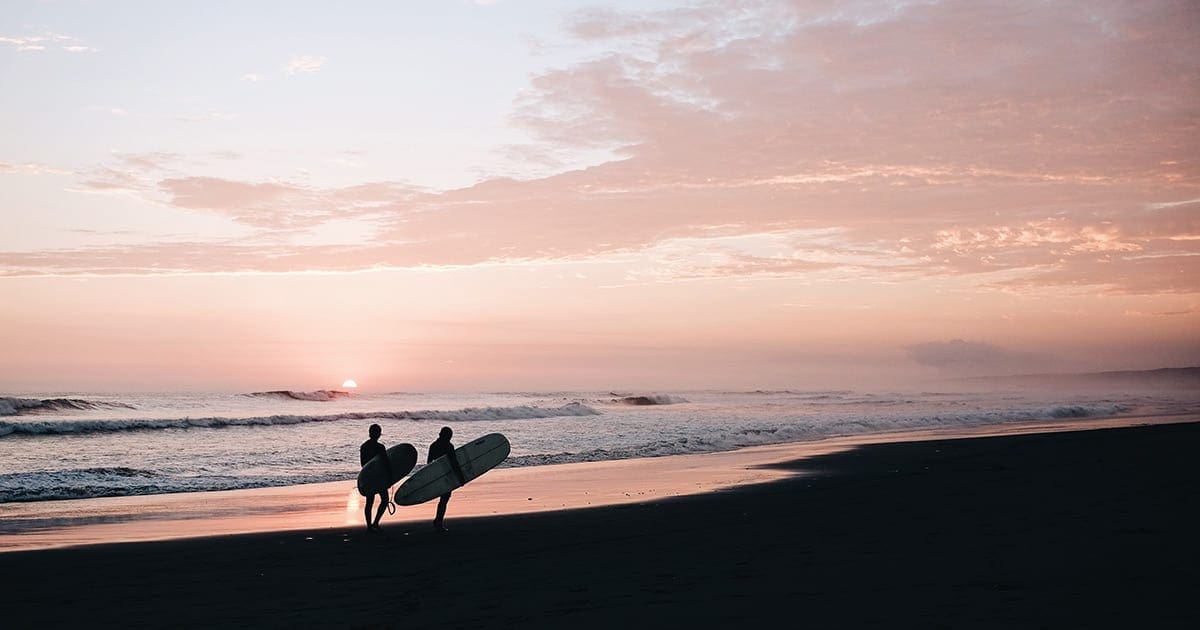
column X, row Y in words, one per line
column 349, row 383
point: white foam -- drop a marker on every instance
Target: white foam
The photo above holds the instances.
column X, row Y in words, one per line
column 108, row 450
column 79, row 427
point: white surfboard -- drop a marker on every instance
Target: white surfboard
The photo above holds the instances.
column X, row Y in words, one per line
column 373, row 477
column 438, row 478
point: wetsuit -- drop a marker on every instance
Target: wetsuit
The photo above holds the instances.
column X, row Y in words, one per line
column 369, row 450
column 439, row 448
column 366, row 453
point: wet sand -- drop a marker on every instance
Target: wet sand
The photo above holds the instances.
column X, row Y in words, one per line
column 336, row 505
column 1067, row 529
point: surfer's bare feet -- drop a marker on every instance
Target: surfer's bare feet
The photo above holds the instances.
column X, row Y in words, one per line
column 439, row 527
column 374, row 528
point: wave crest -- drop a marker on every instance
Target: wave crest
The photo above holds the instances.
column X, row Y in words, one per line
column 647, row 399
column 320, row 395
column 11, row 406
column 470, row 414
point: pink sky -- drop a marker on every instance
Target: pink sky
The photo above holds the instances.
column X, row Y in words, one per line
column 687, row 197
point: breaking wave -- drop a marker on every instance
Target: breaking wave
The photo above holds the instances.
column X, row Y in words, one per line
column 19, row 406
column 648, row 399
column 89, row 483
column 812, row 430
column 470, row 414
column 321, row 395
column 140, row 476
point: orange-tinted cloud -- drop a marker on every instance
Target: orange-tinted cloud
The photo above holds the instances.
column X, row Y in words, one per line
column 1055, row 143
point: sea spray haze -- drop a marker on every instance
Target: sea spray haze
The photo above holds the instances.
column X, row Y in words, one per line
column 89, row 445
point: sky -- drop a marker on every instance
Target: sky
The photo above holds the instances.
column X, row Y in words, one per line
column 457, row 195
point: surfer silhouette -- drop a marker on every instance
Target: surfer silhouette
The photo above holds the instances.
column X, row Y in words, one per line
column 442, row 446
column 366, row 453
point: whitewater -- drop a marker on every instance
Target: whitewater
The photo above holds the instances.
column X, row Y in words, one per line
column 78, row 445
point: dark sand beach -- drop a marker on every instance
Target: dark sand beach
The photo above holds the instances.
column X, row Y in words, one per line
column 1077, row 529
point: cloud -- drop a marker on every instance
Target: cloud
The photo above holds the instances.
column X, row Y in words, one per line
column 109, row 180
column 47, row 40
column 602, row 23
column 151, row 161
column 972, row 357
column 1023, row 148
column 282, row 205
column 190, row 257
column 305, row 64
column 1173, row 204
column 251, row 77
column 30, row 168
column 1189, row 311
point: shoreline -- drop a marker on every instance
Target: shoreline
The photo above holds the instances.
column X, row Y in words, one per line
column 1058, row 529
column 501, row 492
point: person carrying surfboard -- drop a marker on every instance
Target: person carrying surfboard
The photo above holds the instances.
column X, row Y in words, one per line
column 440, row 447
column 366, row 453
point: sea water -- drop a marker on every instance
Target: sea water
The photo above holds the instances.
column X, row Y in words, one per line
column 79, row 445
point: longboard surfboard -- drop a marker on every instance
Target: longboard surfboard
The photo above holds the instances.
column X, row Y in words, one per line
column 373, row 477
column 438, row 478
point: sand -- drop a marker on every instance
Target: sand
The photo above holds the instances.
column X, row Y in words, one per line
column 1059, row 529
column 336, row 505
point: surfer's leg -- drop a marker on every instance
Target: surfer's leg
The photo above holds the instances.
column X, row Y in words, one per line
column 441, row 510
column 383, row 503
column 367, row 510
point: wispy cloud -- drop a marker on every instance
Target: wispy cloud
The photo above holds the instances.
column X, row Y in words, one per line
column 30, row 168
column 962, row 140
column 1189, row 311
column 1162, row 205
column 47, row 40
column 305, row 64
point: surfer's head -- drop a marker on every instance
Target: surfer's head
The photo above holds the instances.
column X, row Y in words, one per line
column 446, row 433
column 375, row 431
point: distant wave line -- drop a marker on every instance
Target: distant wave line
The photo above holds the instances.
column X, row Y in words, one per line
column 83, row 427
column 320, row 395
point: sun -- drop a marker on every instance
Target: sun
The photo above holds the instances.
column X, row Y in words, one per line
column 350, row 383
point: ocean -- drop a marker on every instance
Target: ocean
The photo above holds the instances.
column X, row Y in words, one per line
column 78, row 445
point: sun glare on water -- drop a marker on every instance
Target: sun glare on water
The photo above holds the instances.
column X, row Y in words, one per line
column 349, row 383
